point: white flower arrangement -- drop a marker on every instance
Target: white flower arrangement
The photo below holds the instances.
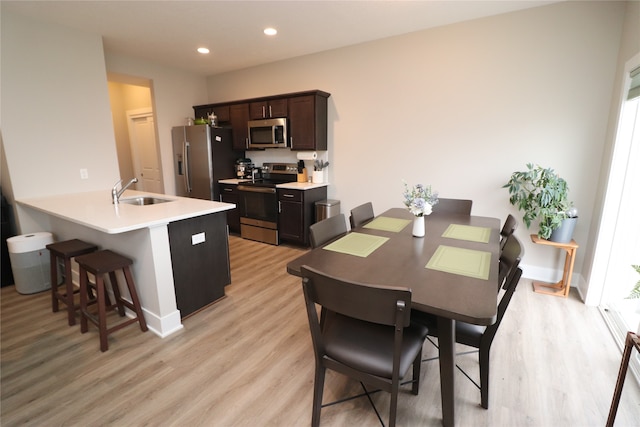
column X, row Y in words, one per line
column 420, row 199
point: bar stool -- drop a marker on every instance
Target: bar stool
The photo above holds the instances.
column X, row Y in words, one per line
column 65, row 251
column 100, row 263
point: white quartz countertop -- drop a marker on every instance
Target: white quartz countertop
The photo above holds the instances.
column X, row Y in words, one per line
column 288, row 185
column 95, row 210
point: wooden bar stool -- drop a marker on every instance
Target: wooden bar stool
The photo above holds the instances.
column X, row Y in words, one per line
column 100, row 263
column 65, row 251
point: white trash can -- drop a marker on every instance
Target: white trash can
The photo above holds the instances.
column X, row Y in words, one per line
column 30, row 262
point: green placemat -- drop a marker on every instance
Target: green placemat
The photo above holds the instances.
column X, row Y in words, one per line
column 385, row 223
column 357, row 244
column 465, row 262
column 468, row 232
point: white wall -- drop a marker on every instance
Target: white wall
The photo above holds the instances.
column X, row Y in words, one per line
column 55, row 110
column 595, row 265
column 174, row 93
column 461, row 107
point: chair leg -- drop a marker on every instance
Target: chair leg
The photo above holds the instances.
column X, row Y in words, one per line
column 318, row 388
column 102, row 313
column 83, row 300
column 134, row 299
column 71, row 312
column 116, row 292
column 483, row 355
column 417, row 363
column 394, row 403
column 624, row 365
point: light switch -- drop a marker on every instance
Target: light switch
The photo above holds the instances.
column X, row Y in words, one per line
column 84, row 174
column 197, row 238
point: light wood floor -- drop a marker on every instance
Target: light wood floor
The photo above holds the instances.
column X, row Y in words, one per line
column 247, row 361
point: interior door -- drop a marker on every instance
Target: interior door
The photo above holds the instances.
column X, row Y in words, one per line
column 142, row 136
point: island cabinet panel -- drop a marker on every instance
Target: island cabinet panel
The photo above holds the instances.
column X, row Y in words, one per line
column 308, row 122
column 297, row 213
column 200, row 260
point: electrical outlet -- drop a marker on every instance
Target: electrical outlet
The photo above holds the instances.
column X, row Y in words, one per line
column 84, row 174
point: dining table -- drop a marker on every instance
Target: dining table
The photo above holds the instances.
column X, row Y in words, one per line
column 452, row 272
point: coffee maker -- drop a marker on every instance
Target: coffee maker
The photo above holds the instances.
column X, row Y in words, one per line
column 244, row 167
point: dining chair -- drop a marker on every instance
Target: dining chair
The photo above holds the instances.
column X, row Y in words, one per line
column 481, row 337
column 328, row 229
column 370, row 337
column 456, row 206
column 510, row 257
column 510, row 225
column 361, row 215
column 632, row 340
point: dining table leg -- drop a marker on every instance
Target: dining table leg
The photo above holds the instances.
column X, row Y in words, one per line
column 446, row 344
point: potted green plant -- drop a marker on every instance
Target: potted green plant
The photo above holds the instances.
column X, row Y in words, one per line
column 540, row 193
column 635, row 292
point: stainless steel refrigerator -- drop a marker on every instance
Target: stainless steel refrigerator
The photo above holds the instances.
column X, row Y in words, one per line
column 202, row 155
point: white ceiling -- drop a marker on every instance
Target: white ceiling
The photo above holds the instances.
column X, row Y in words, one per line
column 169, row 32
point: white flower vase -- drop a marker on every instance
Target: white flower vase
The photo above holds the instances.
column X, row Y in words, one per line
column 318, row 177
column 418, row 226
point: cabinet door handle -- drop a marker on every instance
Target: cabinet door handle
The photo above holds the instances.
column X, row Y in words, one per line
column 279, row 207
column 227, row 189
column 264, row 112
column 270, row 113
column 287, row 195
column 291, row 142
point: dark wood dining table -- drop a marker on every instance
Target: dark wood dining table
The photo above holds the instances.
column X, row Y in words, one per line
column 402, row 260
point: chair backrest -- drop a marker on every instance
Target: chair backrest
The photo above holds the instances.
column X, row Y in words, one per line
column 510, row 257
column 510, row 288
column 328, row 229
column 510, row 225
column 370, row 303
column 458, row 206
column 361, row 215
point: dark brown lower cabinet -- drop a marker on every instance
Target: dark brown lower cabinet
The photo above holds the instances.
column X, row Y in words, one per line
column 229, row 194
column 200, row 260
column 296, row 212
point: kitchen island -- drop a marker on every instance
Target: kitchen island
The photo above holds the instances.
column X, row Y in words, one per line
column 141, row 233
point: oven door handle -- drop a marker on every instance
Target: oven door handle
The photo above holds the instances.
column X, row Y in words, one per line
column 268, row 190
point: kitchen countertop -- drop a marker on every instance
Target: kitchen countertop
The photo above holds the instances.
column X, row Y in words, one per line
column 289, row 185
column 95, row 210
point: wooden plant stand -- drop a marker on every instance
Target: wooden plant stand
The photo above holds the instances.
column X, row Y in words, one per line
column 560, row 289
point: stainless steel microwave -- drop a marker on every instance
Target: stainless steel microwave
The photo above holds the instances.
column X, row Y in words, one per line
column 268, row 133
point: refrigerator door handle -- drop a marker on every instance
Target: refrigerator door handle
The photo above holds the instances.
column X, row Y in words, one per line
column 187, row 167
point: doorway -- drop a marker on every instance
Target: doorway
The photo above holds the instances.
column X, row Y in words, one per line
column 142, row 138
column 618, row 247
column 135, row 131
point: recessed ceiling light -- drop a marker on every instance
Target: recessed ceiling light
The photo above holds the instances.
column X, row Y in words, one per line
column 270, row 31
column 203, row 50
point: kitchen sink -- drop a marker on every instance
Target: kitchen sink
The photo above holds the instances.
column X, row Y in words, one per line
column 144, row 200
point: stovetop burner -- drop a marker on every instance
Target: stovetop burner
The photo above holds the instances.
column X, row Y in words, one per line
column 275, row 173
column 263, row 183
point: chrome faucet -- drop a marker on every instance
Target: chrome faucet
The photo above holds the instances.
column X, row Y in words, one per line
column 115, row 194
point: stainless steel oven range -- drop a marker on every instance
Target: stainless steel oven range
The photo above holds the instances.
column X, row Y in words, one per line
column 259, row 202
